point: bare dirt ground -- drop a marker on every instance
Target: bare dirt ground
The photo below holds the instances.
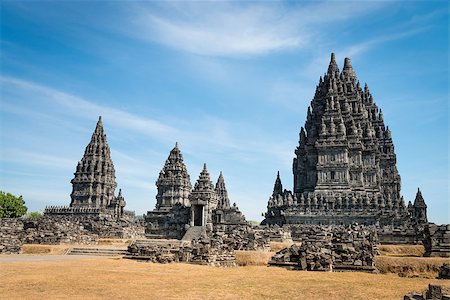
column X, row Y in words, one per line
column 99, row 278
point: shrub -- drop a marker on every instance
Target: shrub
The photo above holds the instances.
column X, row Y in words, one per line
column 11, row 206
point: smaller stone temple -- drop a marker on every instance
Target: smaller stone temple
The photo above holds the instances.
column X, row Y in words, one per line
column 203, row 200
column 94, row 182
column 179, row 207
column 225, row 213
column 174, row 183
column 418, row 210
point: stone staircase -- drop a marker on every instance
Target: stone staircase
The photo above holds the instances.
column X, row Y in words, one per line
column 194, row 232
column 97, row 251
column 159, row 242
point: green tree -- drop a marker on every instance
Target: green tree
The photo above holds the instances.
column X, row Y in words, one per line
column 11, row 206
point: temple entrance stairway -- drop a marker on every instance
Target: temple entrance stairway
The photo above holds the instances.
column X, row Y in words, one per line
column 98, row 251
column 194, row 232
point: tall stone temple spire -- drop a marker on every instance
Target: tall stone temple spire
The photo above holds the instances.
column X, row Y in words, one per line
column 222, row 194
column 345, row 162
column 95, row 182
column 174, row 183
column 347, row 146
column 203, row 200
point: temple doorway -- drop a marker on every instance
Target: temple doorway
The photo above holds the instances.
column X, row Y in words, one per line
column 198, row 215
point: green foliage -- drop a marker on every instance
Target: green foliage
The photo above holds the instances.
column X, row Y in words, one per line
column 11, row 206
column 33, row 215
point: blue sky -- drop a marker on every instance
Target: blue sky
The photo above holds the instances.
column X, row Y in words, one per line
column 230, row 81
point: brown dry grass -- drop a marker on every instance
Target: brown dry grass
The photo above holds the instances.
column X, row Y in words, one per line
column 402, row 250
column 45, row 249
column 427, row 267
column 253, row 258
column 116, row 279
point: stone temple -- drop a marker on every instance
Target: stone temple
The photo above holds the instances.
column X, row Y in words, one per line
column 94, row 182
column 180, row 207
column 345, row 164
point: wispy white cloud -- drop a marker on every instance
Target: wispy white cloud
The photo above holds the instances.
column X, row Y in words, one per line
column 220, row 29
column 320, row 60
column 219, row 136
column 230, row 29
column 36, row 159
column 90, row 109
column 359, row 48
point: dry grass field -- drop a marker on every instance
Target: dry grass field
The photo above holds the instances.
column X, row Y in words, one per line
column 427, row 267
column 120, row 278
column 55, row 277
column 402, row 250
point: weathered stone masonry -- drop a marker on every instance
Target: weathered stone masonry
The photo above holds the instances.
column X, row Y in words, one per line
column 53, row 230
column 328, row 248
column 345, row 164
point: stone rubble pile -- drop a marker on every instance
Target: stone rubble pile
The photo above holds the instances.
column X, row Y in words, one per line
column 275, row 233
column 354, row 248
column 433, row 292
column 244, row 237
column 437, row 240
column 303, row 233
column 208, row 250
column 444, row 271
column 212, row 251
column 310, row 256
column 156, row 253
column 327, row 248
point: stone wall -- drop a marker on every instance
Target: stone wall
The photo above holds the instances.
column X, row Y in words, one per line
column 400, row 234
column 170, row 224
column 437, row 240
column 11, row 235
column 61, row 229
column 386, row 234
column 327, row 248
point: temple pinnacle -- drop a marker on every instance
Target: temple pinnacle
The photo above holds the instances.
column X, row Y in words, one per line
column 333, row 69
column 347, row 63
